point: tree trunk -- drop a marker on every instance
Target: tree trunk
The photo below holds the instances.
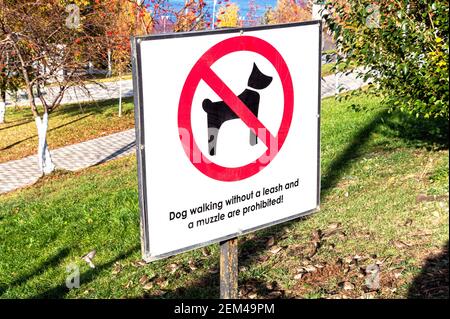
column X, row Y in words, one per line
column 45, row 161
column 120, row 94
column 2, row 106
column 109, row 64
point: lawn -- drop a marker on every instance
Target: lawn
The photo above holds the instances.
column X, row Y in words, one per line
column 384, row 204
column 68, row 124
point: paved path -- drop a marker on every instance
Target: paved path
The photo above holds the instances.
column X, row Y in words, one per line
column 23, row 172
column 95, row 92
column 334, row 84
column 110, row 90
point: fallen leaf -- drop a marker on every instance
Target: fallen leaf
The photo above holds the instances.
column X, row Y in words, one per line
column 275, row 250
column 319, row 266
column 252, row 295
column 173, row 268
column 270, row 242
column 316, row 235
column 139, row 263
column 372, row 281
column 161, row 281
column 408, row 222
column 346, row 285
column 206, row 251
column 348, row 259
column 400, row 244
column 310, row 268
column 311, row 250
column 128, row 284
column 88, row 258
column 421, row 198
column 148, row 286
column 117, row 268
column 192, row 265
column 398, row 274
column 334, row 226
column 298, row 276
column 143, row 279
column 422, row 234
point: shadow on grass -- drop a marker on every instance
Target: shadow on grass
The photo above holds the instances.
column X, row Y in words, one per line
column 50, row 130
column 50, row 262
column 92, row 107
column 353, row 151
column 61, row 290
column 15, row 125
column 432, row 282
column 429, row 133
column 250, row 250
column 116, row 153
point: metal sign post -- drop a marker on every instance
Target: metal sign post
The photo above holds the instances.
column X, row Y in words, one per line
column 229, row 269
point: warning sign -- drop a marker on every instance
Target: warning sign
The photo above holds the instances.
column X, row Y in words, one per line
column 227, row 127
column 244, row 106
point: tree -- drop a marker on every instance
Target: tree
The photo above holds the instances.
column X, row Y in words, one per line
column 228, row 16
column 403, row 46
column 129, row 19
column 191, row 17
column 287, row 11
column 9, row 80
column 51, row 47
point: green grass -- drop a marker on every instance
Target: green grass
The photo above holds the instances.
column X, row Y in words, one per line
column 69, row 124
column 327, row 69
column 373, row 168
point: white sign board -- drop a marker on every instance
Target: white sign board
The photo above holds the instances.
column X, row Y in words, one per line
column 227, row 127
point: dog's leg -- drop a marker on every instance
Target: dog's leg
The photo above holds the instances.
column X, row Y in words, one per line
column 214, row 124
column 213, row 132
column 253, row 137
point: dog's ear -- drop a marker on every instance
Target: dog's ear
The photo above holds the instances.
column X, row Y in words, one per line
column 258, row 80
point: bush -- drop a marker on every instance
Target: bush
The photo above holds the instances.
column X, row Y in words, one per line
column 403, row 45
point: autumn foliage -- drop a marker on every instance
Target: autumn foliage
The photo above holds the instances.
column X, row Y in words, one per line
column 287, row 11
column 228, row 16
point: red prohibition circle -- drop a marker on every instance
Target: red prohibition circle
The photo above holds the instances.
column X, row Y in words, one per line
column 202, row 71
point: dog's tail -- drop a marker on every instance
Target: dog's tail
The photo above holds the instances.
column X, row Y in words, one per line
column 258, row 80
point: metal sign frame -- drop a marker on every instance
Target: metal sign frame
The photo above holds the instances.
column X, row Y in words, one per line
column 140, row 136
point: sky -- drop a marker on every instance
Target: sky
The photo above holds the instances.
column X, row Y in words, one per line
column 243, row 5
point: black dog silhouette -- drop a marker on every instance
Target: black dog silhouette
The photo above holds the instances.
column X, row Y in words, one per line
column 220, row 112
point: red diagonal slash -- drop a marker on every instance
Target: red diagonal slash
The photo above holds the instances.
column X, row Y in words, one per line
column 237, row 106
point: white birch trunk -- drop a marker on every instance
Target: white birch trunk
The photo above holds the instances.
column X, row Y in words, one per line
column 109, row 64
column 2, row 111
column 45, row 161
column 120, row 95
